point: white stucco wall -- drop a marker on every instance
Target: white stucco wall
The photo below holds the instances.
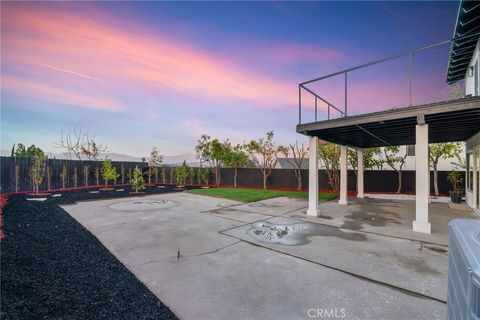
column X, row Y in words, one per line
column 469, row 80
column 443, row 164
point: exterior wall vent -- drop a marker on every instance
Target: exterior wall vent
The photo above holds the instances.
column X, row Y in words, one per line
column 463, row 300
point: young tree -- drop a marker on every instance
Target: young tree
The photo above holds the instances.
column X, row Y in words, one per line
column 75, row 177
column 370, row 159
column 164, row 175
column 64, row 176
column 181, row 174
column 203, row 176
column 264, row 154
column 85, row 175
column 153, row 162
column 108, row 172
column 438, row 151
column 97, row 175
column 396, row 162
column 191, row 175
column 37, row 170
column 235, row 157
column 136, row 180
column 213, row 151
column 299, row 153
column 329, row 153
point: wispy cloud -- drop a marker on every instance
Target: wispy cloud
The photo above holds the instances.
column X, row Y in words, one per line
column 74, row 73
column 57, row 95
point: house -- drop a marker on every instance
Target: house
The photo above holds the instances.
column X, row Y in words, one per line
column 290, row 163
column 430, row 121
column 464, row 65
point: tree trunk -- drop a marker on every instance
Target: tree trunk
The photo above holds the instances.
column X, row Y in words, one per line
column 399, row 173
column 299, row 180
column 265, row 181
column 435, row 178
column 217, row 175
column 235, row 177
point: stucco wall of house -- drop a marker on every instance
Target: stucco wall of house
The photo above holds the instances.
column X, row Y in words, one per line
column 470, row 80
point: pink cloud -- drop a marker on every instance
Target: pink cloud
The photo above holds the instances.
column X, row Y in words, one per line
column 62, row 50
column 46, row 92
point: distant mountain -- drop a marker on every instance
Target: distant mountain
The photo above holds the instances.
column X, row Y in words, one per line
column 174, row 159
column 179, row 158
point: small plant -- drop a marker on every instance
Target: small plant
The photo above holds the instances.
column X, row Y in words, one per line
column 75, row 177
column 85, row 175
column 130, row 175
column 64, row 176
column 204, row 176
column 164, row 175
column 191, row 175
column 97, row 175
column 136, row 180
column 455, row 179
column 178, row 175
column 149, row 175
column 199, row 176
column 37, row 171
column 109, row 173
column 49, row 177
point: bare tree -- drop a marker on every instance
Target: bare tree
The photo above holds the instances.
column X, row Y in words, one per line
column 299, row 153
column 80, row 144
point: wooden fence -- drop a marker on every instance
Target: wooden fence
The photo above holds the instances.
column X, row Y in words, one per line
column 59, row 174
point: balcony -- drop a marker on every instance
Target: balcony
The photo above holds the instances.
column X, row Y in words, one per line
column 380, row 102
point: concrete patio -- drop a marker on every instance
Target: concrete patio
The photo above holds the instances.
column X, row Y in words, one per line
column 386, row 217
column 343, row 263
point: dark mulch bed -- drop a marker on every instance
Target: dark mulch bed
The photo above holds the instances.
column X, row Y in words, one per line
column 53, row 268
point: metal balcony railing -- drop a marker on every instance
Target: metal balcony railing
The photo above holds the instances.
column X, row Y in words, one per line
column 415, row 77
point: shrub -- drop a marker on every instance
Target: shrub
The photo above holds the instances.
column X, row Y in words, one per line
column 136, row 180
column 108, row 171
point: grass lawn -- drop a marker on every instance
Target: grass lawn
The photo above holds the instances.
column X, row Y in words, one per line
column 251, row 195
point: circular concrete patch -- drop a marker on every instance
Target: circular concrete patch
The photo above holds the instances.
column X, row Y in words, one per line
column 256, row 205
column 143, row 205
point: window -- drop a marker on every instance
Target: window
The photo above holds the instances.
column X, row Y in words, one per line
column 411, row 151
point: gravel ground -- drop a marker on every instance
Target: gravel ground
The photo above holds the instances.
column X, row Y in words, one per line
column 53, row 268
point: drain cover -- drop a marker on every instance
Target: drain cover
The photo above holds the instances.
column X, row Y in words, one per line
column 143, row 205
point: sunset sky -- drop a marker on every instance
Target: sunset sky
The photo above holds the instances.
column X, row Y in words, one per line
column 139, row 74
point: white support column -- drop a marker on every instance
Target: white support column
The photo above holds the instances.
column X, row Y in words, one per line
column 360, row 192
column 313, row 179
column 343, row 176
column 475, row 179
column 422, row 180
